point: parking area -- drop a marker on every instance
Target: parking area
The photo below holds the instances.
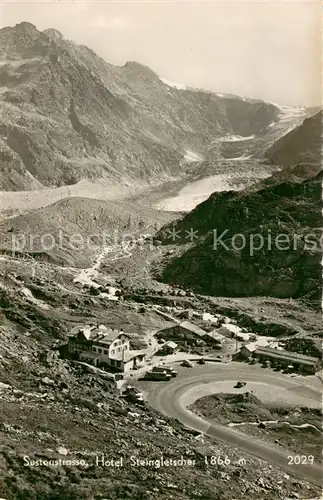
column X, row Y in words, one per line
column 212, row 377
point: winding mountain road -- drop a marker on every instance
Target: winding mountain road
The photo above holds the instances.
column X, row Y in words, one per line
column 172, row 399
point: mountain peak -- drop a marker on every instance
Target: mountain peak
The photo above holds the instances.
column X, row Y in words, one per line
column 53, row 34
column 140, row 69
column 26, row 26
column 22, row 41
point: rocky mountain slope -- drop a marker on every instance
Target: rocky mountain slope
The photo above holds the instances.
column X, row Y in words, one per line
column 66, row 115
column 269, row 244
column 53, row 409
column 303, row 145
column 71, row 231
column 290, row 427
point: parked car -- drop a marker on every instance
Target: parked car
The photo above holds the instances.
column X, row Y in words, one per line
column 162, row 375
column 289, row 369
column 240, row 384
column 167, row 369
column 187, row 363
column 133, row 395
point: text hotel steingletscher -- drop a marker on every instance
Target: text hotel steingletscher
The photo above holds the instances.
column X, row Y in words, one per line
column 104, row 460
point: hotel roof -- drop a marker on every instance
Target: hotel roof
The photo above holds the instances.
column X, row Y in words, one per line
column 193, row 328
column 101, row 333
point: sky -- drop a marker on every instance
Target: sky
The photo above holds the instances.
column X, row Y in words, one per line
column 264, row 49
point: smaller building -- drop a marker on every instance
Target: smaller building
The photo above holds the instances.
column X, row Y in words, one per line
column 282, row 358
column 184, row 333
column 214, row 338
column 130, row 360
column 217, row 337
column 249, row 349
column 230, row 330
column 169, row 347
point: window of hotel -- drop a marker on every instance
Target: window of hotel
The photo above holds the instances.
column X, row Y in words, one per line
column 105, row 351
column 94, row 349
column 99, row 351
column 112, row 351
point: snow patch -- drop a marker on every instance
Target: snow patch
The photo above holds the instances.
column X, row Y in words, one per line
column 237, row 158
column 179, row 86
column 192, row 156
column 292, row 114
column 235, row 138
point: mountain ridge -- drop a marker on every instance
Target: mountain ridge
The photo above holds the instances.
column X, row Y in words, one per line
column 68, row 115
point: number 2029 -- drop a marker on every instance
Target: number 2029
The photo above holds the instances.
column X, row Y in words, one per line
column 300, row 459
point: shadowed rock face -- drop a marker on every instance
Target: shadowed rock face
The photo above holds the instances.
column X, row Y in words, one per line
column 246, row 125
column 302, row 145
column 66, row 115
column 289, row 211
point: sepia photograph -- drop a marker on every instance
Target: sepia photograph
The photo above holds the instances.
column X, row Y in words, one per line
column 161, row 250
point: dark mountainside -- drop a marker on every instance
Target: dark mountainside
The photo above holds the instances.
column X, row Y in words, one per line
column 303, row 145
column 289, row 204
column 66, row 115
